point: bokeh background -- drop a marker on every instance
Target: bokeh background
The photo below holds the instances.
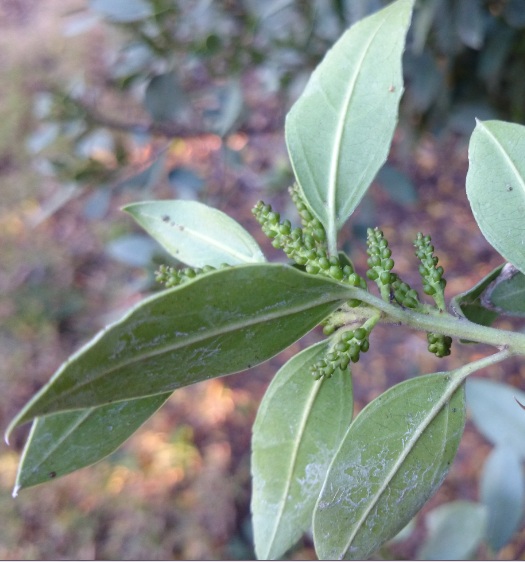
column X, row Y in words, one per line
column 108, row 102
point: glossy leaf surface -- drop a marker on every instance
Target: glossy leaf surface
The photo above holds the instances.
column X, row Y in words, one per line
column 339, row 131
column 191, row 333
column 502, row 491
column 299, row 426
column 455, row 530
column 62, row 443
column 496, row 414
column 470, row 304
column 507, row 295
column 196, row 234
column 496, row 186
column 393, row 458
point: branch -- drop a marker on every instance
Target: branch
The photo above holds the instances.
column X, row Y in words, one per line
column 170, row 129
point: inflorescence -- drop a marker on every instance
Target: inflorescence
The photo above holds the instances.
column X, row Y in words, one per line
column 172, row 277
column 431, row 274
column 307, row 247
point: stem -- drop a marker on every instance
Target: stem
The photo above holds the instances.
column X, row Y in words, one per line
column 331, row 236
column 462, row 373
column 444, row 323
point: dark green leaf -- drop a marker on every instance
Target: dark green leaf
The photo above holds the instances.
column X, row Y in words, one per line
column 507, row 293
column 470, row 304
column 221, row 323
column 393, row 458
column 514, row 13
column 299, row 425
column 164, row 99
column 62, row 443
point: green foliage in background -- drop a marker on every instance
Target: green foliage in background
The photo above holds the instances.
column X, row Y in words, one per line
column 185, row 66
column 354, row 482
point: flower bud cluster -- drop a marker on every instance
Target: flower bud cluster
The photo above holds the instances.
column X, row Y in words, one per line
column 431, row 274
column 347, row 350
column 305, row 246
column 311, row 224
column 438, row 344
column 172, row 277
column 379, row 261
column 404, row 294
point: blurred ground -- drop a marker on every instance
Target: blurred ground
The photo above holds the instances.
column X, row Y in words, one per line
column 180, row 488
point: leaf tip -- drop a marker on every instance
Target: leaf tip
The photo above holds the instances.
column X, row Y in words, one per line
column 16, row 489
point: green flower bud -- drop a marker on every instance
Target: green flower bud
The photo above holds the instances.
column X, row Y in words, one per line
column 336, row 272
column 360, row 334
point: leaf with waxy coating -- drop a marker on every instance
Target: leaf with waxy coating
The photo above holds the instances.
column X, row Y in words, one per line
column 496, row 186
column 62, row 443
column 502, row 490
column 299, row 425
column 339, row 131
column 221, row 323
column 455, row 530
column 496, row 414
column 393, row 458
column 196, row 234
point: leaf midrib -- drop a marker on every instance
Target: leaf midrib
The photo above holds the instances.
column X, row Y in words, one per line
column 336, row 153
column 433, row 413
column 196, row 338
column 295, row 453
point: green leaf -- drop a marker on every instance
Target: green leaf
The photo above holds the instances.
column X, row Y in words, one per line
column 196, row 234
column 299, row 425
column 502, row 491
column 455, row 530
column 507, row 293
column 496, row 414
column 470, row 304
column 393, row 458
column 339, row 131
column 496, row 186
column 221, row 323
column 62, row 443
column 164, row 99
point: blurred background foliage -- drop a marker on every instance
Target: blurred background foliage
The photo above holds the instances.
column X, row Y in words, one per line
column 105, row 102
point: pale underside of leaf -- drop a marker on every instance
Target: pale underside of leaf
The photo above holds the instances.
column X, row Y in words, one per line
column 496, row 186
column 393, row 458
column 299, row 424
column 196, row 234
column 339, row 131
